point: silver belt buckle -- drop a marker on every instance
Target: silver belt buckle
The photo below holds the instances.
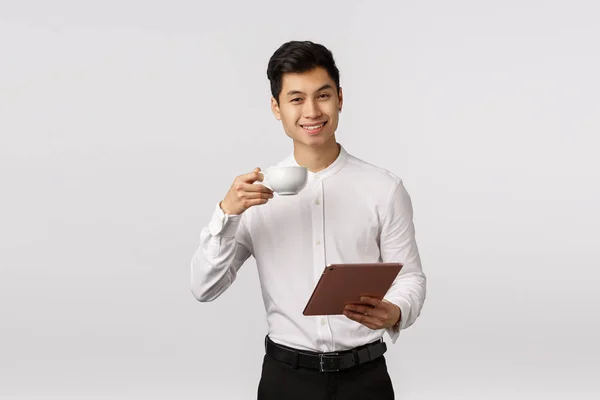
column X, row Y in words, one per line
column 322, row 364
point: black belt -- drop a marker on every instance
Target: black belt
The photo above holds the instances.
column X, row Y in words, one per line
column 325, row 362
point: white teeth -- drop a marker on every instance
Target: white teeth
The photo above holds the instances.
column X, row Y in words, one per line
column 311, row 128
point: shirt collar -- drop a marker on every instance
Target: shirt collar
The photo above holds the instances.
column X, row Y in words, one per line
column 333, row 168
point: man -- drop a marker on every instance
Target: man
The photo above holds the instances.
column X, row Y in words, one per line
column 350, row 211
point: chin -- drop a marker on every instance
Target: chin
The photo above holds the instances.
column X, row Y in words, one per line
column 315, row 141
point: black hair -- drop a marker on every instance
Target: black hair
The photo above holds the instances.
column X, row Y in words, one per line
column 298, row 57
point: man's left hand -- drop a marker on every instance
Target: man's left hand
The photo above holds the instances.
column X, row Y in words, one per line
column 374, row 314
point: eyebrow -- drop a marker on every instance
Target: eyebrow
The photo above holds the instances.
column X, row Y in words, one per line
column 294, row 92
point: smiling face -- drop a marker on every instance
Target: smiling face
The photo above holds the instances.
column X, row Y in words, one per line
column 308, row 107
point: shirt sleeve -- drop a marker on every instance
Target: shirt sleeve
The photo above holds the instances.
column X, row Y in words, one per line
column 224, row 247
column 398, row 244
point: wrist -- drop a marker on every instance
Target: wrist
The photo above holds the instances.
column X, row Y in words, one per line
column 397, row 324
column 224, row 208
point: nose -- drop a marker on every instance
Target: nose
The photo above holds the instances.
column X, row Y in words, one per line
column 311, row 109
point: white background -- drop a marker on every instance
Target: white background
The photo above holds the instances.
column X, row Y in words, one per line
column 123, row 123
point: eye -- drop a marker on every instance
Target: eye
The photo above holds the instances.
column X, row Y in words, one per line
column 324, row 96
column 296, row 100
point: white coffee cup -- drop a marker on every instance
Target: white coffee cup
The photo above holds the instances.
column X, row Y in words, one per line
column 285, row 181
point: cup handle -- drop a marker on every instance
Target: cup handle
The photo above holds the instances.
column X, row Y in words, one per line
column 264, row 181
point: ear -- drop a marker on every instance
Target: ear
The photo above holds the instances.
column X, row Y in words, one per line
column 341, row 98
column 275, row 108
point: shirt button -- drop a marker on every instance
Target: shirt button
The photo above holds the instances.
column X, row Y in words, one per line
column 318, row 242
column 317, row 202
column 323, row 322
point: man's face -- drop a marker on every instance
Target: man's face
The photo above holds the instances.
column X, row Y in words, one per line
column 309, row 106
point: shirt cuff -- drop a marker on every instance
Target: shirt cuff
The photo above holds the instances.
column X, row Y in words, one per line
column 404, row 306
column 224, row 225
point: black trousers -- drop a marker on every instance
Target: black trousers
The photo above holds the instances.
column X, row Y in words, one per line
column 280, row 381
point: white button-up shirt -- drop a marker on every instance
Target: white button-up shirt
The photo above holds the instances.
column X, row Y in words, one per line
column 349, row 212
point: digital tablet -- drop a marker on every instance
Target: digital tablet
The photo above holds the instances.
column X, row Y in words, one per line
column 342, row 284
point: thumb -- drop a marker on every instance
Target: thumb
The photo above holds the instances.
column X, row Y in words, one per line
column 260, row 175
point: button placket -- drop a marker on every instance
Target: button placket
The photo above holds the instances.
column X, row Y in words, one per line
column 318, row 232
column 319, row 254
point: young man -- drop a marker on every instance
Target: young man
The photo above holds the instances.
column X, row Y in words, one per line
column 350, row 211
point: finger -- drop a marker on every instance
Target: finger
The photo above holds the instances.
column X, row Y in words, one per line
column 251, row 176
column 365, row 310
column 367, row 320
column 256, row 195
column 256, row 187
column 247, row 203
column 375, row 302
column 373, row 327
column 243, row 187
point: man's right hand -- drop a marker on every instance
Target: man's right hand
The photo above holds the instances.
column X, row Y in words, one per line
column 244, row 194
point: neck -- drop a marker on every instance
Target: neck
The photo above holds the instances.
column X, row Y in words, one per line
column 316, row 158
